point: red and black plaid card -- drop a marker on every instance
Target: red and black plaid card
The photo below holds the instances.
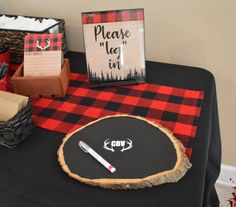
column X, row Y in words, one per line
column 43, row 54
column 175, row 108
column 43, row 42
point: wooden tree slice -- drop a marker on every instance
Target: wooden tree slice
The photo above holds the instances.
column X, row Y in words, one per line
column 144, row 153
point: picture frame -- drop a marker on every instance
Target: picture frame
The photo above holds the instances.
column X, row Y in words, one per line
column 114, row 47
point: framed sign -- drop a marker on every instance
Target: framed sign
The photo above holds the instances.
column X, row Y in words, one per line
column 114, row 45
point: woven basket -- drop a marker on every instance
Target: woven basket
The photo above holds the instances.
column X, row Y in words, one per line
column 15, row 38
column 18, row 128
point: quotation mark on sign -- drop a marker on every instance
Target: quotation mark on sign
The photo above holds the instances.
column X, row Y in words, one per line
column 102, row 43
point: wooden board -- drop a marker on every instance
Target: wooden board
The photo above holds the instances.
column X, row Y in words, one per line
column 155, row 156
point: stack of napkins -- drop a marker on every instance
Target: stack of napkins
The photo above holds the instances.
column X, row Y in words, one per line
column 43, row 55
column 25, row 23
column 11, row 104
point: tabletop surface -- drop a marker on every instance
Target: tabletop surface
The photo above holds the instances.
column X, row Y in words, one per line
column 31, row 176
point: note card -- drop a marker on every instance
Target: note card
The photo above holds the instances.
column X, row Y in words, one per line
column 43, row 54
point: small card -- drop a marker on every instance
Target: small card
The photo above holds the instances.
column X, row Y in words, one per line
column 114, row 45
column 43, row 54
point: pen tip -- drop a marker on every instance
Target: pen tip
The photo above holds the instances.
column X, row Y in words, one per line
column 113, row 170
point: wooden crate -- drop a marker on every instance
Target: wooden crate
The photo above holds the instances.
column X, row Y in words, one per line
column 47, row 86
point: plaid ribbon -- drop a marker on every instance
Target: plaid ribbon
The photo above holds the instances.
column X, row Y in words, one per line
column 112, row 16
column 43, row 42
column 175, row 108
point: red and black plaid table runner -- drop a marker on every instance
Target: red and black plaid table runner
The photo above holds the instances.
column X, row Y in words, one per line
column 175, row 108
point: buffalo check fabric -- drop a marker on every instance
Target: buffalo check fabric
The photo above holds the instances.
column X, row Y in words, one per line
column 175, row 108
column 43, row 42
column 112, row 16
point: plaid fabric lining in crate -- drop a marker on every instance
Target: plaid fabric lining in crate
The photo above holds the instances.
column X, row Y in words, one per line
column 175, row 108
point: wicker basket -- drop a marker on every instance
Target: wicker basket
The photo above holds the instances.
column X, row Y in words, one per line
column 15, row 38
column 18, row 128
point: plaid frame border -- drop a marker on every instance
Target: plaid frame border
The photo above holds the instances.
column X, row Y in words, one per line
column 112, row 16
column 175, row 108
column 54, row 44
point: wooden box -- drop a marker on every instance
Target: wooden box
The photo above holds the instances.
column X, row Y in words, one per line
column 47, row 86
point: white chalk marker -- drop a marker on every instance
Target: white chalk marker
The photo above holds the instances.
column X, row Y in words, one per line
column 88, row 149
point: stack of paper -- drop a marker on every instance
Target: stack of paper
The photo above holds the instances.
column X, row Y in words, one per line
column 43, row 54
column 11, row 104
column 25, row 23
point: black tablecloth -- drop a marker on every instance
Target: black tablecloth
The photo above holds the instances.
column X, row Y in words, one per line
column 31, row 176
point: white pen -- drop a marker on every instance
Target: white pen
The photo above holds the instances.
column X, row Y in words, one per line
column 88, row 149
